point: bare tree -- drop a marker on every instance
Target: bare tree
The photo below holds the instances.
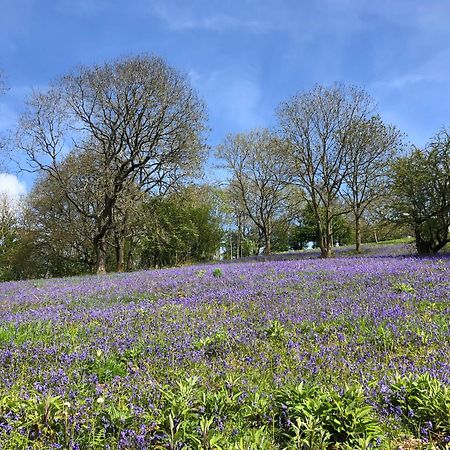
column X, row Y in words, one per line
column 371, row 150
column 137, row 117
column 259, row 177
column 318, row 125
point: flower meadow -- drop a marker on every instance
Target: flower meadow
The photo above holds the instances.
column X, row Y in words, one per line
column 302, row 354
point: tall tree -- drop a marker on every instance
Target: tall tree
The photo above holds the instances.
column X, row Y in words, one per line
column 259, row 177
column 371, row 150
column 319, row 126
column 138, row 118
column 421, row 186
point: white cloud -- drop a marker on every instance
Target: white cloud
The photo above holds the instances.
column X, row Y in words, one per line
column 434, row 70
column 199, row 16
column 11, row 187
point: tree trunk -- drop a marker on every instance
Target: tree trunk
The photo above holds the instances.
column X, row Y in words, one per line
column 267, row 236
column 267, row 244
column 100, row 254
column 429, row 246
column 321, row 235
column 424, row 246
column 358, row 233
column 326, row 246
column 120, row 254
column 239, row 237
column 130, row 261
column 322, row 244
column 129, row 258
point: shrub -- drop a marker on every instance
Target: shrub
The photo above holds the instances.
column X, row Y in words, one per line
column 314, row 417
column 423, row 404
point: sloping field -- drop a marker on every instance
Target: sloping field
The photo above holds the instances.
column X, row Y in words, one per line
column 341, row 353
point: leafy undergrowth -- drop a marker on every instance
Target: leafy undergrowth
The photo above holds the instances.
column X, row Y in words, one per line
column 349, row 353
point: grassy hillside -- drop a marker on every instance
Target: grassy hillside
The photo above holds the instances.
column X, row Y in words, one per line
column 308, row 353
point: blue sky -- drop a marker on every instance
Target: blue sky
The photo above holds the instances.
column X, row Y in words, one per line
column 244, row 57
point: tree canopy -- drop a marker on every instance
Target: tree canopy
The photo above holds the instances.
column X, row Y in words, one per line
column 120, row 148
column 136, row 118
column 421, row 185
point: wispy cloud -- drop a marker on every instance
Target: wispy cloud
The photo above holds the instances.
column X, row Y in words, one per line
column 211, row 16
column 434, row 70
column 406, row 81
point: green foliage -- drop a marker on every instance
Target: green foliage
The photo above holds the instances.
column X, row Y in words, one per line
column 305, row 416
column 181, row 228
column 301, row 234
column 404, row 287
column 280, row 235
column 315, row 417
column 424, row 405
column 421, row 187
column 54, row 241
column 182, row 423
column 384, row 338
column 307, row 230
column 275, row 331
column 39, row 418
column 9, row 238
column 255, row 439
column 107, row 366
column 217, row 273
column 40, row 331
column 215, row 345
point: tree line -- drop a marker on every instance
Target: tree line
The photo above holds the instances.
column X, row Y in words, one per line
column 119, row 150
